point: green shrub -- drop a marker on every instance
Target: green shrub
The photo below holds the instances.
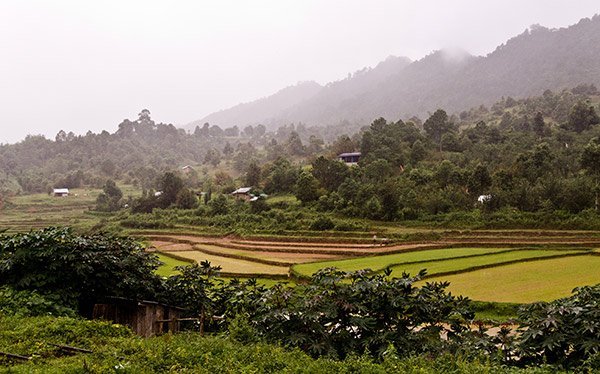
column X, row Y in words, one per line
column 135, row 223
column 322, row 223
column 79, row 269
column 241, row 331
column 31, row 303
column 564, row 332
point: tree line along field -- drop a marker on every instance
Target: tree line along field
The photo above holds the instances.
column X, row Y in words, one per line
column 488, row 265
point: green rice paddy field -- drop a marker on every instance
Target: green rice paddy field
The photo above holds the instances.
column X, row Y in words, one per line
column 169, row 264
column 435, row 261
column 518, row 275
column 527, row 282
column 514, row 275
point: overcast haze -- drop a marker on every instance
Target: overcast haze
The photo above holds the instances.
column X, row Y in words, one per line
column 78, row 65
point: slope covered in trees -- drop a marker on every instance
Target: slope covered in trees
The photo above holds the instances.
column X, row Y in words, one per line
column 534, row 155
column 526, row 65
column 261, row 110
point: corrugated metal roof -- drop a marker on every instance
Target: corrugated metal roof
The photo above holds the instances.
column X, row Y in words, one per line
column 241, row 190
column 61, row 190
column 349, row 154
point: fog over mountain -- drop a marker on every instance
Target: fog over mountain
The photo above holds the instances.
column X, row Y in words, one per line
column 85, row 66
column 538, row 59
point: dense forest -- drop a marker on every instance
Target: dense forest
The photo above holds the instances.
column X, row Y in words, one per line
column 526, row 65
column 536, row 154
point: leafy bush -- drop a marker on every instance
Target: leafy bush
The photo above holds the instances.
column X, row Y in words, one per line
column 346, row 225
column 322, row 223
column 240, row 330
column 564, row 332
column 340, row 313
column 78, row 269
column 31, row 303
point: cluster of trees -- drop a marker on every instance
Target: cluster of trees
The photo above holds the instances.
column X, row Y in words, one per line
column 520, row 154
column 139, row 152
column 535, row 154
column 171, row 192
column 335, row 314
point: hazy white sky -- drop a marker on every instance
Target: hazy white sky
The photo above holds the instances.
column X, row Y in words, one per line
column 82, row 65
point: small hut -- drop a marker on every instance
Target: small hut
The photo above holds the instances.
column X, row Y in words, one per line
column 60, row 192
column 145, row 318
column 187, row 169
column 243, row 193
column 350, row 158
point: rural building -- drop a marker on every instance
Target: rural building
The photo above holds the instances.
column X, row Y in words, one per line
column 187, row 169
column 350, row 158
column 145, row 318
column 60, row 192
column 484, row 198
column 243, row 193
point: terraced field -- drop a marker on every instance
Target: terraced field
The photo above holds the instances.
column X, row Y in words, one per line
column 488, row 265
column 24, row 213
column 454, row 259
column 169, row 265
column 232, row 266
column 377, row 263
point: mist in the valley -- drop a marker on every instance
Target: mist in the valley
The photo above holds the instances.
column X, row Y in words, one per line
column 80, row 66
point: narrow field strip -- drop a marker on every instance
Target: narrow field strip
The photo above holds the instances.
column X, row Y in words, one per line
column 526, row 282
column 380, row 262
column 341, row 251
column 213, row 250
column 160, row 244
column 521, row 232
column 182, row 238
column 305, row 244
column 232, row 265
column 288, row 258
column 527, row 240
column 268, row 258
column 175, row 247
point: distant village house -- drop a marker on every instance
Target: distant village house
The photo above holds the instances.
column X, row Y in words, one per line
column 187, row 169
column 60, row 192
column 484, row 199
column 243, row 193
column 350, row 158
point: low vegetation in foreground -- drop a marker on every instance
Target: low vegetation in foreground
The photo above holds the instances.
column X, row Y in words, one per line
column 335, row 321
column 115, row 349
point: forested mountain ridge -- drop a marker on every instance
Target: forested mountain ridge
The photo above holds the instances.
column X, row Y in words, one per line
column 259, row 111
column 140, row 150
column 526, row 65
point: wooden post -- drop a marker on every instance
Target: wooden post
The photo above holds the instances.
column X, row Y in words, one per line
column 202, row 323
column 173, row 325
